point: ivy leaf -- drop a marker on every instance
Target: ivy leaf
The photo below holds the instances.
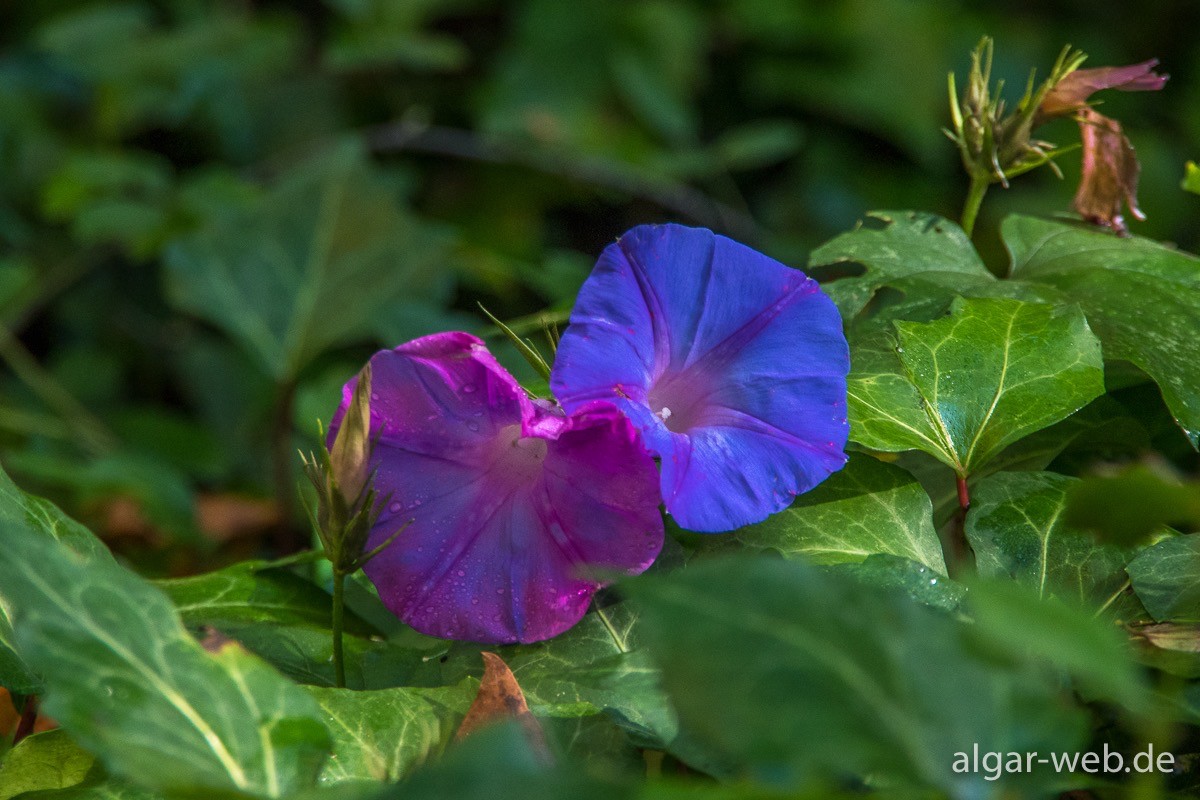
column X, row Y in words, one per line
column 1166, row 578
column 964, row 387
column 1017, row 527
column 931, row 255
column 45, row 520
column 381, row 735
column 586, row 671
column 129, row 683
column 1010, row 616
column 303, row 653
column 48, row 760
column 1128, row 507
column 868, row 507
column 918, row 581
column 247, row 593
column 1142, row 299
column 281, row 278
column 834, row 677
column 105, row 789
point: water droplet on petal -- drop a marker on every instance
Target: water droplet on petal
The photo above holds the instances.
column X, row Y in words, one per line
column 468, row 388
column 395, row 508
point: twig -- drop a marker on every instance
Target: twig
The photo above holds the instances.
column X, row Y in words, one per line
column 412, row 136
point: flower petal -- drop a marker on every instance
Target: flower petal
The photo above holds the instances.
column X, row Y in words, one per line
column 514, row 507
column 1109, row 176
column 736, row 374
column 1073, row 91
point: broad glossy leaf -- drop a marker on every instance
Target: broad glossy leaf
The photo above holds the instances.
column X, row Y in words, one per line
column 45, row 520
column 381, row 735
column 310, row 267
column 868, row 507
column 107, row 789
column 583, row 672
column 498, row 764
column 918, row 581
column 796, row 674
column 1128, row 507
column 927, row 252
column 1017, row 528
column 1015, row 619
column 964, row 387
column 1141, row 298
column 1166, row 578
column 131, row 685
column 304, row 653
column 247, row 593
column 48, row 760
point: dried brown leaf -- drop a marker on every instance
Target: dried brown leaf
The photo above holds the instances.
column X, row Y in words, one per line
column 500, row 698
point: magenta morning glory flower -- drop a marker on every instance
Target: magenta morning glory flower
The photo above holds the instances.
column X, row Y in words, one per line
column 515, row 505
column 732, row 365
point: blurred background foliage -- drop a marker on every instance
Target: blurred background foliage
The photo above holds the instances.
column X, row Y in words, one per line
column 211, row 213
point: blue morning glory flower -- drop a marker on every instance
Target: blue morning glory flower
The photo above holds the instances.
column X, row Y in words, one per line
column 732, row 365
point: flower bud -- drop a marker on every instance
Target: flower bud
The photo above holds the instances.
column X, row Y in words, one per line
column 350, row 455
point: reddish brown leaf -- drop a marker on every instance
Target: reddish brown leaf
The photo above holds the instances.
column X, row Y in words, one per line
column 1110, row 173
column 1073, row 91
column 500, row 698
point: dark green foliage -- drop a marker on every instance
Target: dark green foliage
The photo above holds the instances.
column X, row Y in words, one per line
column 212, row 213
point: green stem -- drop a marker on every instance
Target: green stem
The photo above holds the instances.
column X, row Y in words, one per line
column 339, row 603
column 978, row 188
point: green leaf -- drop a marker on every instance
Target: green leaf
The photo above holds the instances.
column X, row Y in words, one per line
column 1014, row 619
column 585, row 671
column 1128, row 507
column 795, row 674
column 49, row 760
column 304, row 652
column 916, row 580
column 931, row 255
column 1017, row 528
column 868, row 507
column 105, row 789
column 1166, row 578
column 1141, row 298
column 381, row 735
column 129, row 683
column 965, row 387
column 497, row 764
column 44, row 520
column 247, row 593
column 310, row 267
